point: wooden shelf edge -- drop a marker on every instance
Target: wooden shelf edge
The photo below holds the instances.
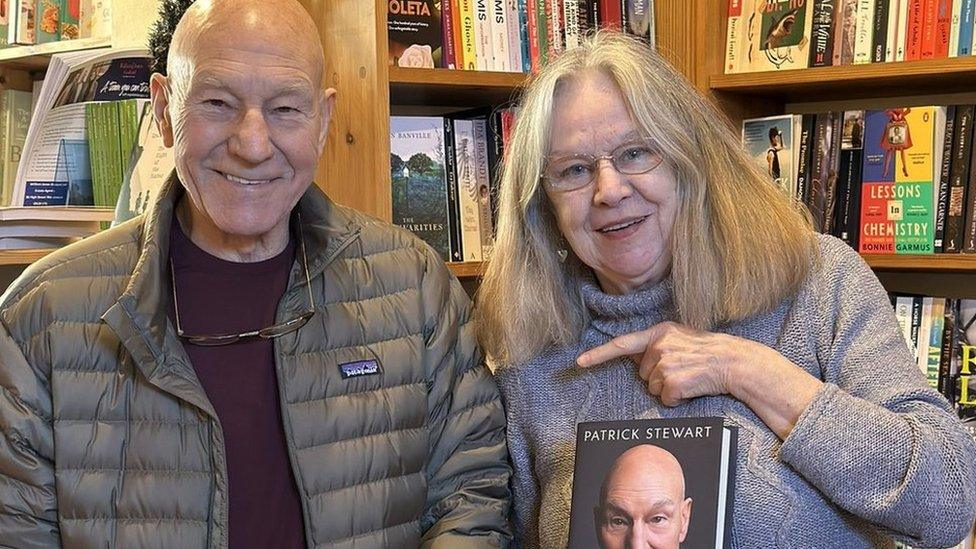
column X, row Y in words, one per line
column 21, row 53
column 468, row 269
column 23, row 257
column 456, row 78
column 943, row 263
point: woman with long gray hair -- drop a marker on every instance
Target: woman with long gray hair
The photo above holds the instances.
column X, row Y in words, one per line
column 644, row 267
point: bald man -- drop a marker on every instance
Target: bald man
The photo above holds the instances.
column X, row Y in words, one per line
column 248, row 364
column 642, row 501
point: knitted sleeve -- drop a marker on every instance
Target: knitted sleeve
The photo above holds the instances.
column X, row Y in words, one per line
column 876, row 440
column 525, row 496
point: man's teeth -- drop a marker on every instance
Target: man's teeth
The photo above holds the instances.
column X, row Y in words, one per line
column 242, row 181
column 621, row 226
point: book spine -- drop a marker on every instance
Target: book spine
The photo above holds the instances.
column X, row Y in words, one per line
column 913, row 36
column 611, row 16
column 864, row 32
column 916, row 324
column 16, row 137
column 128, row 113
column 966, row 27
column 937, row 326
column 483, row 193
column 844, row 21
column 525, row 12
column 822, row 32
column 901, row 38
column 732, row 38
column 958, row 179
column 969, row 223
column 554, row 33
column 891, row 46
column 955, row 22
column 819, row 167
column 922, row 340
column 879, row 40
column 849, row 179
column 469, row 41
column 483, row 36
column 467, row 189
column 6, row 116
column 449, row 59
column 500, row 58
column 943, row 28
column 945, row 356
column 25, row 32
column 930, row 20
column 70, row 19
column 514, row 36
column 944, row 177
column 803, row 162
column 833, row 160
column 542, row 19
column 453, row 212
column 571, row 20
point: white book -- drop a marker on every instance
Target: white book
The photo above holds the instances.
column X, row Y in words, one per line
column 903, row 314
column 483, row 35
column 924, row 329
column 500, row 58
column 733, row 38
column 514, row 36
column 894, row 8
column 556, row 27
column 955, row 20
column 467, row 182
column 864, row 32
column 483, row 195
column 571, row 22
column 902, row 33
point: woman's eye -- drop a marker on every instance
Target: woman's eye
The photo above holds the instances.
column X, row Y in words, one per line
column 574, row 170
column 216, row 103
column 635, row 153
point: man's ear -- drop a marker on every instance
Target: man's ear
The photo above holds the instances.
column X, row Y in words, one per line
column 326, row 104
column 159, row 95
column 685, row 518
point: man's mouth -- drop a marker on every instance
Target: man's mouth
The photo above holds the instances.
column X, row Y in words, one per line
column 243, row 180
column 623, row 225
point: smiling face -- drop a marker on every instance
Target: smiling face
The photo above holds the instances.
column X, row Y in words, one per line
column 619, row 225
column 642, row 502
column 244, row 110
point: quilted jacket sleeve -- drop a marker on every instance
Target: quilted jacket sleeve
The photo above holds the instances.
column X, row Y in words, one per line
column 467, row 468
column 28, row 507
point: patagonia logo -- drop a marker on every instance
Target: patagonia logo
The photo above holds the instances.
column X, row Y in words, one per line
column 359, row 368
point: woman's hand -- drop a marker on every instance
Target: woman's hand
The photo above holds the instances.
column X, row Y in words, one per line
column 679, row 363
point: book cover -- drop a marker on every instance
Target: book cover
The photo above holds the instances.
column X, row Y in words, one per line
column 943, row 28
column 465, row 150
column 777, row 35
column 414, row 31
column 846, row 218
column 769, row 142
column 48, row 13
column 821, row 32
column 897, row 214
column 16, row 112
column 687, row 465
column 962, row 366
column 419, row 180
column 70, row 19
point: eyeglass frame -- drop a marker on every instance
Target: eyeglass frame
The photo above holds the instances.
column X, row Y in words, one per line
column 594, row 162
column 270, row 332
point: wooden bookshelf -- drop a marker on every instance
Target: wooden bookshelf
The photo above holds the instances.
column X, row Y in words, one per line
column 938, row 263
column 453, row 87
column 23, row 257
column 468, row 269
column 929, row 76
column 37, row 57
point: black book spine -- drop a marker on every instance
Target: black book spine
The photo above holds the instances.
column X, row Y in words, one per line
column 880, row 41
column 944, row 176
column 969, row 223
column 835, row 120
column 803, row 164
column 453, row 206
column 958, row 179
column 847, row 213
column 945, row 356
column 822, row 33
column 916, row 322
column 594, row 14
column 495, row 154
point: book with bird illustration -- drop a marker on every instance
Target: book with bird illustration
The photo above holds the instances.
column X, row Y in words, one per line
column 776, row 35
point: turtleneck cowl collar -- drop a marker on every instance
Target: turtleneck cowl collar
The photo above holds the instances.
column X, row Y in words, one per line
column 615, row 315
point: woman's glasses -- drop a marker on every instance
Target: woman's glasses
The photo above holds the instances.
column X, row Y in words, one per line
column 569, row 173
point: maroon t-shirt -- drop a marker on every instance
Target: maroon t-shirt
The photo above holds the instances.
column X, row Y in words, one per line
column 221, row 297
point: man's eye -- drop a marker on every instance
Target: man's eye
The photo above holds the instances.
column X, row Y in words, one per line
column 658, row 519
column 285, row 110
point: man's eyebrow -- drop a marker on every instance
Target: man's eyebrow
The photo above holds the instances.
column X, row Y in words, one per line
column 292, row 86
column 659, row 504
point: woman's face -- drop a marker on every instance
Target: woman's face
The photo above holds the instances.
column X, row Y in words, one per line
column 619, row 225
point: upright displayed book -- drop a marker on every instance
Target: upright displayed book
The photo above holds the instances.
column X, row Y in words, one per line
column 899, row 166
column 770, row 142
column 687, row 465
column 415, row 35
column 417, row 152
column 56, row 157
column 149, row 165
column 776, row 35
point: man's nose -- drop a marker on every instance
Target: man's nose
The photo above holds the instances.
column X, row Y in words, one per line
column 640, row 536
column 251, row 140
column 610, row 186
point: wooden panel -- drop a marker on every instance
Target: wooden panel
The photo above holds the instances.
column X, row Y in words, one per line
column 945, row 263
column 355, row 166
column 470, row 269
column 22, row 257
column 855, row 81
column 453, row 88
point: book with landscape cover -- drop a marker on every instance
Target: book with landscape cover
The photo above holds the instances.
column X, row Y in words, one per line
column 683, row 469
column 419, row 179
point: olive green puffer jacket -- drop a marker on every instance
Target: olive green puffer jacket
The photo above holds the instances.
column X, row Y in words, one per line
column 107, row 439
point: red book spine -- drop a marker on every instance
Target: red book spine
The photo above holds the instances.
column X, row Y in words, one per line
column 449, row 51
column 610, row 14
column 943, row 28
column 913, row 32
column 533, row 34
column 930, row 20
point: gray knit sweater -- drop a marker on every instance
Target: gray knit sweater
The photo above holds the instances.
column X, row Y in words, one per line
column 877, row 455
